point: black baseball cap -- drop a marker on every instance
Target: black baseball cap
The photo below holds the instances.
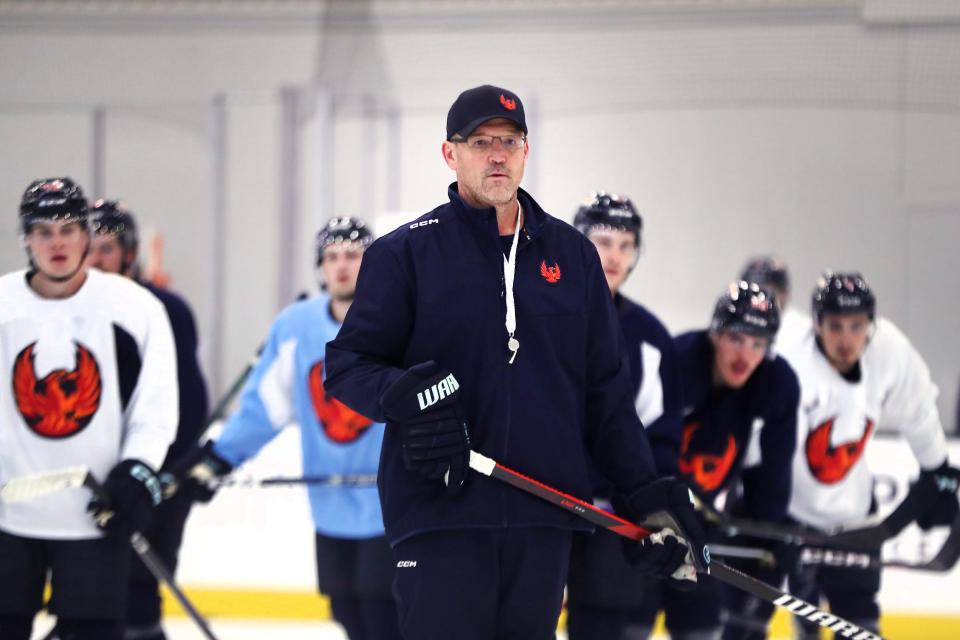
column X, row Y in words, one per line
column 475, row 106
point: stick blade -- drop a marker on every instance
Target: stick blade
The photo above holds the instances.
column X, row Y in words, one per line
column 27, row 488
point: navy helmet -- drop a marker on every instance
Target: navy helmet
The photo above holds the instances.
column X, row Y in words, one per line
column 748, row 308
column 52, row 200
column 843, row 293
column 608, row 211
column 767, row 271
column 113, row 217
column 342, row 229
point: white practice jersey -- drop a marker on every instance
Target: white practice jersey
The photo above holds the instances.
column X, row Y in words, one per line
column 91, row 380
column 794, row 327
column 832, row 484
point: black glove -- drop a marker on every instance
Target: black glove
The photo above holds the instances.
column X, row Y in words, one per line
column 130, row 493
column 197, row 474
column 943, row 511
column 669, row 496
column 424, row 403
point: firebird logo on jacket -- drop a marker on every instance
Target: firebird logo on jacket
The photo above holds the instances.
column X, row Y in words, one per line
column 550, row 274
column 437, row 392
column 341, row 423
column 507, row 103
column 708, row 470
column 830, row 464
column 64, row 402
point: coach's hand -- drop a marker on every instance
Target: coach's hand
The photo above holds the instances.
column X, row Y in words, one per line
column 424, row 403
column 130, row 493
column 683, row 540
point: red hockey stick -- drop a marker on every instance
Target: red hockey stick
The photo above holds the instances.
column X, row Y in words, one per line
column 724, row 573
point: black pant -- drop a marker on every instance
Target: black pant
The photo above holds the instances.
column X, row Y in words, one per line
column 357, row 576
column 482, row 584
column 850, row 591
column 603, row 590
column 88, row 580
column 165, row 535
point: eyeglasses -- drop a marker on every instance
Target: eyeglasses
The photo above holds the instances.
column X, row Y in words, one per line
column 509, row 143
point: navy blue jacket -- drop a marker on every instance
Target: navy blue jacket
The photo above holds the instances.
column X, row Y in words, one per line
column 193, row 389
column 643, row 330
column 433, row 290
column 646, row 340
column 719, row 424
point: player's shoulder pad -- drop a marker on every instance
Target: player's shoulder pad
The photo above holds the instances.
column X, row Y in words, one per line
column 780, row 377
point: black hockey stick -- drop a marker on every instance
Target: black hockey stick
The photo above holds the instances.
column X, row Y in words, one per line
column 718, row 570
column 869, row 538
column 154, row 564
column 333, row 480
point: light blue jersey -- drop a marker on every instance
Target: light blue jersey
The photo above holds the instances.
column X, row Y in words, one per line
column 287, row 386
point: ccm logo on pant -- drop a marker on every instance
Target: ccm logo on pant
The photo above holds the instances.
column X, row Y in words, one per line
column 404, row 564
column 435, row 393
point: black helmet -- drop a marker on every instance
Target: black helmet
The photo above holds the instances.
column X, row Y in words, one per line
column 609, row 211
column 52, row 199
column 113, row 217
column 767, row 271
column 342, row 229
column 843, row 293
column 747, row 308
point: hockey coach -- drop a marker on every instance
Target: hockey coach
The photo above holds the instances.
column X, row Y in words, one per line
column 488, row 324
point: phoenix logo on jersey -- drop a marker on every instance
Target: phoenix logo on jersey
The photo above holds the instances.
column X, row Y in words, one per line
column 62, row 403
column 550, row 274
column 341, row 423
column 828, row 463
column 708, row 470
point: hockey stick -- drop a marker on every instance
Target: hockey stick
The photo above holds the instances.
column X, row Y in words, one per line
column 334, row 480
column 870, row 537
column 944, row 560
column 154, row 564
column 718, row 570
column 40, row 484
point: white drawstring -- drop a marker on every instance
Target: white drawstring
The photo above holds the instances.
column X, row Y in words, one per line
column 509, row 271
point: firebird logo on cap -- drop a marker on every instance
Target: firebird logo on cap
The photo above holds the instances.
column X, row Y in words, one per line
column 341, row 423
column 831, row 463
column 507, row 103
column 52, row 185
column 550, row 274
column 64, row 402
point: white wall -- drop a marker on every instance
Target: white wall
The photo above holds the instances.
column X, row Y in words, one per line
column 805, row 129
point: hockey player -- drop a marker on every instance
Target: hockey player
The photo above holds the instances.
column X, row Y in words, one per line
column 858, row 374
column 770, row 271
column 354, row 562
column 114, row 249
column 602, row 587
column 487, row 323
column 90, row 360
column 739, row 433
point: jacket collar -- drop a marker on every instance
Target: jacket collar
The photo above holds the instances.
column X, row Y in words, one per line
column 534, row 216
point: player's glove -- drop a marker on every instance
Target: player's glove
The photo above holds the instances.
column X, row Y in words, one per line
column 198, row 474
column 945, row 481
column 130, row 493
column 682, row 538
column 424, row 403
